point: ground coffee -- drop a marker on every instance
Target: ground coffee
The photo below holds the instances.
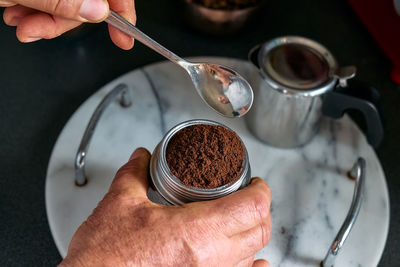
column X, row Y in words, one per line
column 205, row 156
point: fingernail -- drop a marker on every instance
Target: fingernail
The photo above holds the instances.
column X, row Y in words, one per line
column 136, row 154
column 93, row 10
column 31, row 39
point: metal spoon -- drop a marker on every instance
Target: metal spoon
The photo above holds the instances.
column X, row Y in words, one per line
column 220, row 87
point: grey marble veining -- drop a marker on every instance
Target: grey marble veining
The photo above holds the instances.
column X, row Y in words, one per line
column 311, row 193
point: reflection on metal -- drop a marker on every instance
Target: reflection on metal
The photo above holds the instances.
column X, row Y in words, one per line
column 120, row 91
column 358, row 173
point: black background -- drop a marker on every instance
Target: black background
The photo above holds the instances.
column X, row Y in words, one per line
column 43, row 83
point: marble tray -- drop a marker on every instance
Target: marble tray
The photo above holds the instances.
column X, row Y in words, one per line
column 310, row 190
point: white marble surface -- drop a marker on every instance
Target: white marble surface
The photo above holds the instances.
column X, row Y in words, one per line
column 310, row 191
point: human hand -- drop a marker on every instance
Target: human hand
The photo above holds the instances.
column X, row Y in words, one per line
column 38, row 19
column 127, row 229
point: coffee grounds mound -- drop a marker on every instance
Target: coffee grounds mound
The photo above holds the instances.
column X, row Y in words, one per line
column 205, row 156
column 227, row 4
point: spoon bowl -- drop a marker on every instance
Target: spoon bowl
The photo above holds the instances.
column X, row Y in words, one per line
column 222, row 88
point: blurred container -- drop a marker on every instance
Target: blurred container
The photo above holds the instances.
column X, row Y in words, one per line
column 219, row 21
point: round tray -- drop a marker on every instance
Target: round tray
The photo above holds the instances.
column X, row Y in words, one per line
column 311, row 193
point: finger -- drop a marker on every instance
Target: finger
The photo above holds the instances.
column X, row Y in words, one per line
column 132, row 178
column 261, row 263
column 40, row 25
column 4, row 3
column 13, row 15
column 81, row 10
column 241, row 210
column 127, row 10
column 249, row 242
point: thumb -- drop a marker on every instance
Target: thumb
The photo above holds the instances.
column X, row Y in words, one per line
column 132, row 178
column 81, row 10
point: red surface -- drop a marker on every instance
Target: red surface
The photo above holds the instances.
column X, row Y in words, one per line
column 381, row 19
column 396, row 75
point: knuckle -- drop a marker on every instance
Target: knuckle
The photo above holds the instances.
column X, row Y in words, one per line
column 260, row 205
column 192, row 255
column 262, row 185
column 66, row 8
column 132, row 167
column 51, row 34
column 123, row 171
column 265, row 234
column 262, row 190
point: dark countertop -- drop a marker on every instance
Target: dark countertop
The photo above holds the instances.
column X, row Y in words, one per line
column 43, row 83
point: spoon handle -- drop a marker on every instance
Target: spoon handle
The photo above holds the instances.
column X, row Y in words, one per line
column 125, row 26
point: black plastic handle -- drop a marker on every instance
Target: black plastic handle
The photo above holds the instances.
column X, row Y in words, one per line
column 357, row 96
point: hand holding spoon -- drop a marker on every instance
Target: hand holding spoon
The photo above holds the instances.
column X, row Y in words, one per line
column 220, row 87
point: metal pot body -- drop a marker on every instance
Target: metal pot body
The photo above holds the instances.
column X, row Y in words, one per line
column 283, row 120
column 294, row 73
column 167, row 189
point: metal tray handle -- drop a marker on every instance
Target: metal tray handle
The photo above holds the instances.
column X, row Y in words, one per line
column 358, row 173
column 120, row 91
